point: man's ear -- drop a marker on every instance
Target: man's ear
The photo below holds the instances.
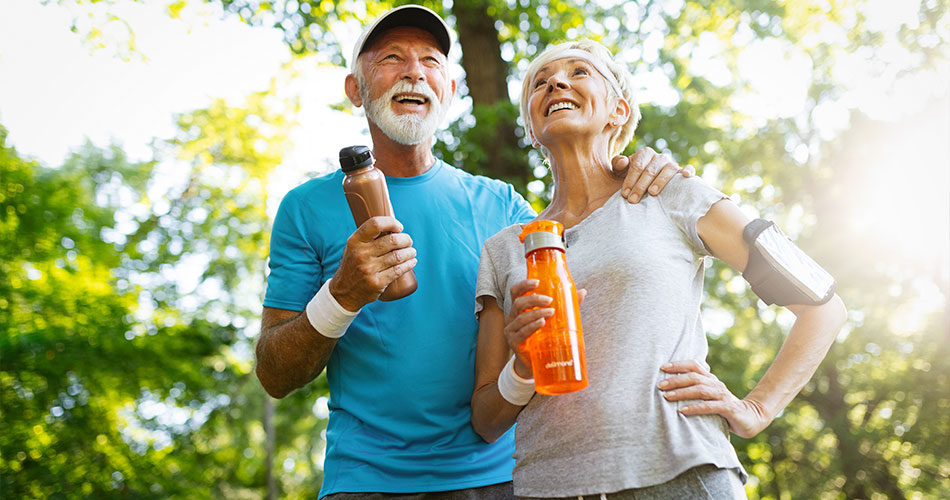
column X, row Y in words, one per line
column 621, row 113
column 453, row 89
column 352, row 88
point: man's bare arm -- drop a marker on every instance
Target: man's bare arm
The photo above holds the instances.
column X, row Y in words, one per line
column 290, row 352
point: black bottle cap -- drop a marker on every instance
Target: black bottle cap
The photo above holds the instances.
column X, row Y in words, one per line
column 354, row 157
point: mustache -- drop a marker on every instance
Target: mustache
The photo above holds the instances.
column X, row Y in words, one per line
column 421, row 88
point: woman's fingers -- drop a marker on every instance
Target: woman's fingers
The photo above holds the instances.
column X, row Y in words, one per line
column 526, row 323
column 683, row 380
column 522, row 287
column 684, row 366
column 530, row 301
column 703, row 391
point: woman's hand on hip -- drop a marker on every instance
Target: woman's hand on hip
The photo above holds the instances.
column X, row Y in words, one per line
column 693, row 382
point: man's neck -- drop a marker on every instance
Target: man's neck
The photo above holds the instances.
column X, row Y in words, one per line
column 399, row 160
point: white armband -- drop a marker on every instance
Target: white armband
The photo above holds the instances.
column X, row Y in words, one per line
column 327, row 315
column 516, row 390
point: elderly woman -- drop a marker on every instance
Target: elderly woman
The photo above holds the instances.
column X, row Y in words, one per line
column 654, row 422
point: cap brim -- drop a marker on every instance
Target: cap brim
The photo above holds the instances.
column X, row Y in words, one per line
column 415, row 16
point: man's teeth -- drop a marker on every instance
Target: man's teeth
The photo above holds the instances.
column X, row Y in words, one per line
column 415, row 99
column 561, row 105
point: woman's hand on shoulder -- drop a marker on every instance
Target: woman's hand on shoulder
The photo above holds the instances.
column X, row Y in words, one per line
column 692, row 381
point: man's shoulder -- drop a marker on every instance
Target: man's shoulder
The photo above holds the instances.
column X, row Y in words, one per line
column 332, row 180
column 316, row 188
column 478, row 181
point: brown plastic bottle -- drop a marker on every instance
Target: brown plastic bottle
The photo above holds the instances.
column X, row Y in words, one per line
column 365, row 188
column 557, row 348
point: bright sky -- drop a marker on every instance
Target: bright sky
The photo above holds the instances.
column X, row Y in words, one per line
column 55, row 92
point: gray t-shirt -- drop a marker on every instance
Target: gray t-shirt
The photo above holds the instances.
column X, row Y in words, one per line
column 642, row 266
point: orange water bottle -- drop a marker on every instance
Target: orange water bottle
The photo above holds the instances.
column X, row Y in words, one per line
column 557, row 348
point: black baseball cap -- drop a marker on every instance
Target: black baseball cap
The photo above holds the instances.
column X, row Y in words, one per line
column 416, row 16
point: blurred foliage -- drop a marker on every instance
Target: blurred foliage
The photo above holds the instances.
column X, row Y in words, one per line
column 130, row 291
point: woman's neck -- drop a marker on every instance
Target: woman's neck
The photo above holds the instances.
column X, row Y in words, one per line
column 583, row 181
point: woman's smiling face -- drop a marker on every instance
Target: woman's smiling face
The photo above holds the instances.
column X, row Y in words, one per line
column 568, row 95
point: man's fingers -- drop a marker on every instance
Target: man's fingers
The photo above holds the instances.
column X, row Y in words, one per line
column 649, row 173
column 375, row 226
column 638, row 162
column 619, row 164
column 667, row 173
column 398, row 256
column 390, row 242
column 398, row 270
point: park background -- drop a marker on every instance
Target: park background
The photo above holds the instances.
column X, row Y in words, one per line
column 145, row 146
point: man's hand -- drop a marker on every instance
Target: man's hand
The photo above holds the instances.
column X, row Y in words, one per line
column 646, row 169
column 693, row 382
column 376, row 254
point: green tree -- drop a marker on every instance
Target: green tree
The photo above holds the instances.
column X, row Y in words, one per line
column 856, row 432
column 130, row 291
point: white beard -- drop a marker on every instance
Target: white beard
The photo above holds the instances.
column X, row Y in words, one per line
column 406, row 129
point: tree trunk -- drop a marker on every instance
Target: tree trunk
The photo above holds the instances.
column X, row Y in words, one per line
column 486, row 75
column 271, row 440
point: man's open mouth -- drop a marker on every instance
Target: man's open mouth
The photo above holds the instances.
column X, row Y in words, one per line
column 410, row 99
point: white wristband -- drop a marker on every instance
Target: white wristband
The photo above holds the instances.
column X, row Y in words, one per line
column 327, row 315
column 516, row 390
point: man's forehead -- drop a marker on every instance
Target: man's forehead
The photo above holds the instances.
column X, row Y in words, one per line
column 404, row 36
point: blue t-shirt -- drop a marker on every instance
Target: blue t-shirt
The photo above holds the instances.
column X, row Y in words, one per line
column 401, row 378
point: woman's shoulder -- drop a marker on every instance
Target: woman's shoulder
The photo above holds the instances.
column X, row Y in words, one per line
column 505, row 238
column 688, row 192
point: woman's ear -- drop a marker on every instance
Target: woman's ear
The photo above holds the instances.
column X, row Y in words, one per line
column 534, row 142
column 621, row 113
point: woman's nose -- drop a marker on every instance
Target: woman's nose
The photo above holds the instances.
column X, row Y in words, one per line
column 557, row 81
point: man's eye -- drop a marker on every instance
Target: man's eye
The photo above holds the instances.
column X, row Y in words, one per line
column 392, row 57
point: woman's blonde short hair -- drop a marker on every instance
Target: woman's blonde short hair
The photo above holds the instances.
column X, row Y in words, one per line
column 602, row 58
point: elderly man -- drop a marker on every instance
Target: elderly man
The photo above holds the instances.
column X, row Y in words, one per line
column 402, row 376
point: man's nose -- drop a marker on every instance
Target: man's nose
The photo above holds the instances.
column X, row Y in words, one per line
column 414, row 71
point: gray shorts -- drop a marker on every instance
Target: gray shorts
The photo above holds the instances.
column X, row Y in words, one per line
column 502, row 491
column 704, row 482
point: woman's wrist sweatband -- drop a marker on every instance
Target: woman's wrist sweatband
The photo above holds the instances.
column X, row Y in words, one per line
column 516, row 390
column 327, row 316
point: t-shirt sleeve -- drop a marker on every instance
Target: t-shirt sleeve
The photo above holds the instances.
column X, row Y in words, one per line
column 520, row 211
column 295, row 267
column 487, row 282
column 685, row 200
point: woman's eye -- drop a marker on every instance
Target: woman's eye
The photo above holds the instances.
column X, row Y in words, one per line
column 539, row 82
column 581, row 71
